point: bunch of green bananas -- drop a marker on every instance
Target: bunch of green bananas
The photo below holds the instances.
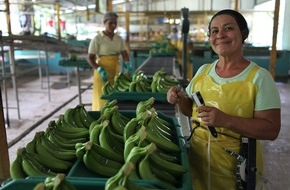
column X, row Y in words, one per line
column 42, row 157
column 103, row 153
column 140, row 83
column 122, row 82
column 123, row 178
column 164, row 164
column 144, row 106
column 26, row 164
column 107, row 88
column 78, row 117
column 120, row 179
column 162, row 82
column 98, row 159
column 53, row 150
column 58, row 182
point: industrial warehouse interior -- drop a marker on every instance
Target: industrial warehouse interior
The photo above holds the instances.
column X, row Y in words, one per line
column 45, row 73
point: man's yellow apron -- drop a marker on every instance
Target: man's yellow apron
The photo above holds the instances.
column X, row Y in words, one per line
column 111, row 66
column 212, row 167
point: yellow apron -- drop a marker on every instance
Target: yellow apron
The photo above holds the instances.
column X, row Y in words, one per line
column 111, row 66
column 212, row 167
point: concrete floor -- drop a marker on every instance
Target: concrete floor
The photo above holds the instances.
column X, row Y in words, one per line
column 36, row 112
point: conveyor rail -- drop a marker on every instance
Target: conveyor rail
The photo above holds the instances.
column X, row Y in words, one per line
column 153, row 64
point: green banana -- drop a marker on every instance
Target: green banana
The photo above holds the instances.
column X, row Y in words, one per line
column 57, row 151
column 32, row 167
column 109, row 104
column 142, row 106
column 117, row 145
column 168, row 157
column 152, row 128
column 58, row 182
column 104, row 139
column 95, row 166
column 69, row 117
column 120, row 178
column 86, row 118
column 115, row 135
column 106, row 88
column 131, row 128
column 62, row 142
column 64, row 128
column 161, row 123
column 96, row 131
column 48, row 160
column 154, row 86
column 121, row 85
column 106, row 153
column 80, row 150
column 134, row 140
column 95, row 123
column 170, row 80
column 138, row 152
column 170, row 167
column 69, row 132
column 132, row 87
column 161, row 88
column 161, row 143
column 16, row 170
column 144, row 169
column 138, row 87
column 77, row 117
column 108, row 112
column 117, row 122
column 30, row 146
column 164, row 176
column 104, row 160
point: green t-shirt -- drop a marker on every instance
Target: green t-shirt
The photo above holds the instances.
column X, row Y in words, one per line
column 267, row 92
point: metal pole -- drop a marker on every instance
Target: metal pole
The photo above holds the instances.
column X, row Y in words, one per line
column 4, row 159
column 184, row 56
column 185, row 30
column 251, row 164
column 4, row 81
column 273, row 55
column 47, row 68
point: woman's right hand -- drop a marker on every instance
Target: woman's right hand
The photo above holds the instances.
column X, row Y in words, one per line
column 173, row 95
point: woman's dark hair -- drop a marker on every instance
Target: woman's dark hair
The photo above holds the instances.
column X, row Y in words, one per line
column 109, row 15
column 241, row 21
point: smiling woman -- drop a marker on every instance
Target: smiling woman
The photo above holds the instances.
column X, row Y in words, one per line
column 241, row 101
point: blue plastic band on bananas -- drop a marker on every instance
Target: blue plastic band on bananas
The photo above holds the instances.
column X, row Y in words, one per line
column 103, row 73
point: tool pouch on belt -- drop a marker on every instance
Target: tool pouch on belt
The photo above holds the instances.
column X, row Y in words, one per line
column 241, row 167
column 103, row 73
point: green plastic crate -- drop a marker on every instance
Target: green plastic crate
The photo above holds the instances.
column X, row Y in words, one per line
column 79, row 170
column 77, row 63
column 79, row 183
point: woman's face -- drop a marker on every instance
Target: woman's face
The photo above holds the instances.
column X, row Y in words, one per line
column 111, row 24
column 225, row 35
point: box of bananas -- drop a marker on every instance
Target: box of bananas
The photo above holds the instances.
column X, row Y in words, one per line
column 58, row 182
column 151, row 141
column 139, row 87
column 95, row 146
